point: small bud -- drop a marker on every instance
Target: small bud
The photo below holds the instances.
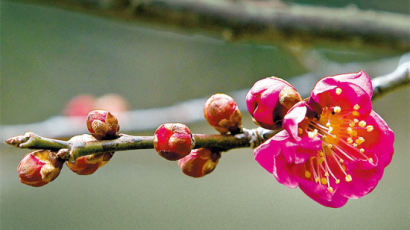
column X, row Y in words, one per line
column 173, row 141
column 199, row 162
column 269, row 100
column 79, row 106
column 39, row 168
column 221, row 112
column 102, row 124
column 88, row 164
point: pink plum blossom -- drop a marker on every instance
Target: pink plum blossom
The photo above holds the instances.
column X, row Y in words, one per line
column 333, row 146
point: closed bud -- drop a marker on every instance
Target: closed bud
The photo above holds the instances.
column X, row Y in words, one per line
column 221, row 112
column 173, row 141
column 39, row 168
column 199, row 162
column 102, row 124
column 85, row 165
column 269, row 100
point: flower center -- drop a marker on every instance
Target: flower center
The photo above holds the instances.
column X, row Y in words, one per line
column 341, row 144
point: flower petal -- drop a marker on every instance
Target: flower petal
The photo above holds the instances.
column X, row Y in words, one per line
column 363, row 181
column 378, row 138
column 294, row 117
column 350, row 97
column 320, row 194
column 283, row 172
column 265, row 152
column 360, row 78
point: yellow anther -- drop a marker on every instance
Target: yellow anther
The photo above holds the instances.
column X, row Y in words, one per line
column 371, row 160
column 361, row 150
column 328, row 124
column 330, row 189
column 337, row 181
column 300, row 130
column 341, row 161
column 330, row 129
column 337, row 109
column 359, row 140
column 323, row 180
column 326, row 174
column 354, row 145
column 317, row 179
column 352, row 124
column 349, row 130
column 349, row 140
column 330, row 146
column 313, row 133
column 356, row 107
column 355, row 113
column 362, row 124
column 307, row 174
column 369, row 128
column 348, row 178
column 321, row 154
column 355, row 120
column 338, row 91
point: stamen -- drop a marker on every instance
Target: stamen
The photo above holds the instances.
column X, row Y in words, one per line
column 348, row 178
column 361, row 150
column 355, row 113
column 330, row 189
column 307, row 174
column 362, row 124
column 300, row 131
column 369, row 128
column 337, row 109
column 349, row 140
column 312, row 134
column 352, row 124
column 359, row 140
column 323, row 180
column 355, row 145
column 338, row 91
column 355, row 120
column 356, row 107
column 337, row 181
column 371, row 160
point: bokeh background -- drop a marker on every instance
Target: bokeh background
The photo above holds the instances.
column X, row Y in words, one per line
column 49, row 55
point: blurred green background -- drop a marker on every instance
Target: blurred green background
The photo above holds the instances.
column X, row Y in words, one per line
column 49, row 55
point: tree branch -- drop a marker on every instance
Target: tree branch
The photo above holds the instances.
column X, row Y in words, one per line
column 267, row 20
column 248, row 138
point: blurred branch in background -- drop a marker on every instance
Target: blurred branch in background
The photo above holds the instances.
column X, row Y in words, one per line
column 192, row 110
column 261, row 20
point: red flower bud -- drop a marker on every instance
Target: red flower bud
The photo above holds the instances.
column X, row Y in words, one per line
column 102, row 124
column 173, row 141
column 39, row 168
column 221, row 112
column 79, row 106
column 88, row 164
column 269, row 100
column 199, row 162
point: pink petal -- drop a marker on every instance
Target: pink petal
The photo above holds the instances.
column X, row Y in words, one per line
column 283, row 172
column 299, row 151
column 360, row 79
column 379, row 141
column 320, row 194
column 346, row 95
column 363, row 181
column 292, row 119
column 265, row 152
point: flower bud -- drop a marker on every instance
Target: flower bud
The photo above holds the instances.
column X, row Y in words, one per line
column 102, row 124
column 199, row 162
column 79, row 106
column 173, row 141
column 221, row 112
column 269, row 100
column 39, row 168
column 88, row 164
